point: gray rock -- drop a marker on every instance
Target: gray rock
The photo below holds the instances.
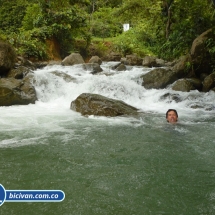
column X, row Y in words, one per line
column 209, row 82
column 64, row 76
column 183, row 85
column 26, row 63
column 113, row 56
column 183, row 67
column 94, row 104
column 72, row 59
column 18, row 73
column 200, row 55
column 197, row 83
column 158, row 78
column 134, row 60
column 95, row 59
column 121, row 67
column 171, row 97
column 7, row 58
column 93, row 67
column 17, row 92
column 149, row 61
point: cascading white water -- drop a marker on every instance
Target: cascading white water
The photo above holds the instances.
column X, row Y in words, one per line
column 56, row 92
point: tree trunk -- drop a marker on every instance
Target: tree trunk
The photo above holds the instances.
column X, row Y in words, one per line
column 168, row 25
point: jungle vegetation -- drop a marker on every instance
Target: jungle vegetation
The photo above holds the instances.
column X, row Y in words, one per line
column 165, row 28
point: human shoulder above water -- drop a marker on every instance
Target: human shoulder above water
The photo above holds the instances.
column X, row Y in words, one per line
column 172, row 116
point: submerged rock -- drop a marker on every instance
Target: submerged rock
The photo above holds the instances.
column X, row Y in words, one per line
column 93, row 67
column 94, row 104
column 64, row 76
column 119, row 67
column 171, row 97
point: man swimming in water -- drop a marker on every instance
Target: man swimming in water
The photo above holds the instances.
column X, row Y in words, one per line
column 172, row 116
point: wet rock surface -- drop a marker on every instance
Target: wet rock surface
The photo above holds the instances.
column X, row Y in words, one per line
column 94, row 104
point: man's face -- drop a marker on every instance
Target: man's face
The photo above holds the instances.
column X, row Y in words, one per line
column 172, row 117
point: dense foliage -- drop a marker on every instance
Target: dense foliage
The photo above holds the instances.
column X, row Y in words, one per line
column 165, row 28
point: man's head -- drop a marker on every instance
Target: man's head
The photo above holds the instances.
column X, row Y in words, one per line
column 172, row 116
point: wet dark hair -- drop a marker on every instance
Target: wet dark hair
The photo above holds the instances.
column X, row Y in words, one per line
column 171, row 110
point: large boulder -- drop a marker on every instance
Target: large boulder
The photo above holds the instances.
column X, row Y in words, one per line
column 159, row 78
column 17, row 92
column 7, row 58
column 72, row 59
column 201, row 58
column 94, row 104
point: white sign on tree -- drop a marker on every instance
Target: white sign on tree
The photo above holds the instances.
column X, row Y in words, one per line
column 125, row 27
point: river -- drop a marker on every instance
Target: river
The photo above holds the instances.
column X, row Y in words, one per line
column 109, row 166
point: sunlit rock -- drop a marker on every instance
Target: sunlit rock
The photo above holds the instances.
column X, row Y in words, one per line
column 94, row 104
